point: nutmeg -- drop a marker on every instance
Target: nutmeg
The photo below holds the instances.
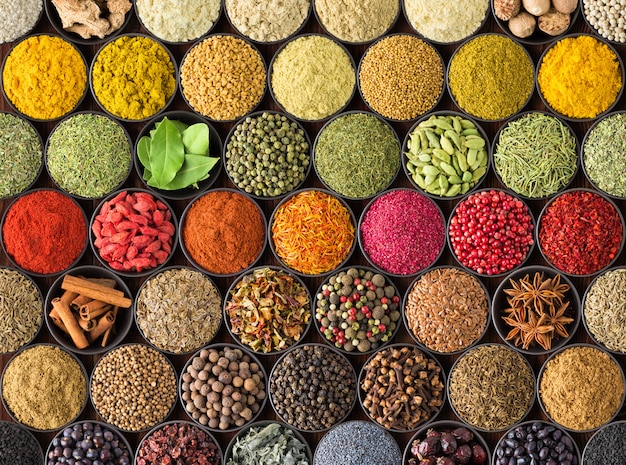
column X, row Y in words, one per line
column 506, row 9
column 565, row 6
column 523, row 25
column 536, row 7
column 554, row 22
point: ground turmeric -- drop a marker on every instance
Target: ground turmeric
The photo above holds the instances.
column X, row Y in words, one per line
column 580, row 77
column 133, row 77
column 44, row 77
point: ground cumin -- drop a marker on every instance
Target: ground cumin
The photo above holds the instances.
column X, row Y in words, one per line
column 581, row 388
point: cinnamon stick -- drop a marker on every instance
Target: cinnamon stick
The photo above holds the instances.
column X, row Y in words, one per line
column 87, row 325
column 73, row 328
column 68, row 297
column 104, row 323
column 108, row 332
column 95, row 291
column 56, row 319
column 93, row 309
column 79, row 301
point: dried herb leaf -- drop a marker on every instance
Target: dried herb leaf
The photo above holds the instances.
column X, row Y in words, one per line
column 167, row 153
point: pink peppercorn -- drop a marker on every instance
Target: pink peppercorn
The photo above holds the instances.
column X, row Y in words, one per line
column 491, row 232
column 402, row 232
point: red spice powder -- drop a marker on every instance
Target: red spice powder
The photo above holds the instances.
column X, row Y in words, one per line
column 580, row 232
column 44, row 232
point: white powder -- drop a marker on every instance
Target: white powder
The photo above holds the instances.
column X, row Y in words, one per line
column 18, row 18
column 178, row 20
column 446, row 20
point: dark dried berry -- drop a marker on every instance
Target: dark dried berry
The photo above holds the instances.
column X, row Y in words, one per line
column 463, row 454
column 433, row 433
column 428, row 461
column 479, row 455
column 429, row 446
column 445, row 461
column 448, row 443
column 462, row 435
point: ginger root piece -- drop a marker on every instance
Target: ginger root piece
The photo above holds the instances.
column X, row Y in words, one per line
column 117, row 13
column 92, row 18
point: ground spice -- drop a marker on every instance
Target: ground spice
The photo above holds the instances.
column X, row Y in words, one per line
column 446, row 21
column 491, row 387
column 88, row 155
column 312, row 232
column 55, row 72
column 223, row 77
column 21, row 154
column 44, row 387
column 560, row 77
column 18, row 20
column 223, row 232
column 581, row 388
column 401, row 77
column 133, row 77
column 312, row 77
column 580, row 232
column 357, row 21
column 357, row 155
column 267, row 20
column 21, row 310
column 402, row 232
column 44, row 231
column 447, row 309
column 491, row 77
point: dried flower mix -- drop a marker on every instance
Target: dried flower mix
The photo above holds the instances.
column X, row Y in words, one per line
column 179, row 310
column 21, row 154
column 268, row 310
column 270, row 444
column 312, row 232
column 580, row 232
column 402, row 232
column 21, row 310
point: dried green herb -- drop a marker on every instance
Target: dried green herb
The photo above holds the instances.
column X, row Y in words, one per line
column 273, row 444
column 21, row 154
column 21, row 310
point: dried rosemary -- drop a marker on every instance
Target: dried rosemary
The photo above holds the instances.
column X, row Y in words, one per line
column 21, row 154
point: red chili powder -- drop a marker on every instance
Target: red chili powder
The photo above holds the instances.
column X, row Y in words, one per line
column 402, row 232
column 44, row 232
column 580, row 232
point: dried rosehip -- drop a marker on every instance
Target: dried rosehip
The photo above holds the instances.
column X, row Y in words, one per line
column 462, row 435
column 448, row 443
column 463, row 454
column 429, row 446
column 479, row 455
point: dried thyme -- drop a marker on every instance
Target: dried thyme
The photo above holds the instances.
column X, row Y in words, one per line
column 179, row 310
column 21, row 154
column 603, row 309
column 88, row 155
column 21, row 310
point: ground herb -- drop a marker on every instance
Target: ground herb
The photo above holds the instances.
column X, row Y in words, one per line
column 357, row 20
column 491, row 77
column 536, row 155
column 581, row 388
column 88, row 155
column 357, row 155
column 175, row 301
column 604, row 155
column 603, row 309
column 491, row 387
column 272, row 444
column 21, row 310
column 21, row 154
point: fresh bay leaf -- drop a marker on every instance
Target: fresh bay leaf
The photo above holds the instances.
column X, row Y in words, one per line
column 196, row 139
column 194, row 169
column 143, row 152
column 167, row 153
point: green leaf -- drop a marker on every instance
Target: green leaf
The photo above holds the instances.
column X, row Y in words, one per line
column 180, row 126
column 167, row 153
column 147, row 175
column 195, row 169
column 143, row 152
column 196, row 139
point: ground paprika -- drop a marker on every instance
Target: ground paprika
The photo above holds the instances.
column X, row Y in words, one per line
column 44, row 231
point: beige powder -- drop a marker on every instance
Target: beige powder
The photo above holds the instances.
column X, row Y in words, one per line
column 267, row 20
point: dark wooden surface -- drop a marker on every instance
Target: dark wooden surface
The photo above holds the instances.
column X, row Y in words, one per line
column 267, row 206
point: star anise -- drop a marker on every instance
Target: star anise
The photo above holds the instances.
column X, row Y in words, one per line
column 556, row 318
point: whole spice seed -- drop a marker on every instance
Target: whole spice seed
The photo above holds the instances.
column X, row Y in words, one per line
column 491, row 232
column 536, row 155
column 401, row 77
column 402, row 232
column 133, row 387
column 18, row 445
column 312, row 232
column 21, row 310
column 18, row 20
column 447, row 446
column 21, row 154
column 412, row 385
column 174, row 301
column 491, row 77
column 607, row 446
column 491, row 387
column 581, row 388
column 312, row 77
column 357, row 310
column 603, row 309
column 267, row 155
column 357, row 443
column 312, row 387
column 604, row 154
column 88, row 155
column 357, row 155
column 447, row 309
column 446, row 155
column 607, row 17
column 178, row 442
column 580, row 232
column 267, row 20
column 268, row 310
column 44, row 387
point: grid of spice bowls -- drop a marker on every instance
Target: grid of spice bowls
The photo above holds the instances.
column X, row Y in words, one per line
column 133, row 232
column 254, row 162
column 223, row 377
column 370, row 149
column 200, row 153
column 446, row 310
column 580, row 232
column 460, row 441
column 89, row 328
column 536, row 310
column 443, row 137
